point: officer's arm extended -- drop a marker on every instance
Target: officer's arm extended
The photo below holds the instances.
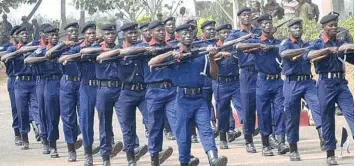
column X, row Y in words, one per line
column 20, row 51
column 33, row 60
column 2, row 53
column 291, row 53
column 247, row 47
column 70, row 57
column 161, row 58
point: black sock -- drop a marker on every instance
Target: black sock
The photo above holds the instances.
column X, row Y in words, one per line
column 330, row 153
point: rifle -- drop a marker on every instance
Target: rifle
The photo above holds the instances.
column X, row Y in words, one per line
column 283, row 23
column 202, row 52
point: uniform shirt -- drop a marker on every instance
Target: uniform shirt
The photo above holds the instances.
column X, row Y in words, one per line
column 163, row 74
column 207, row 43
column 8, row 65
column 86, row 67
column 227, row 66
column 267, row 62
column 46, row 68
column 191, row 73
column 107, row 70
column 70, row 68
column 131, row 70
column 301, row 66
column 245, row 59
column 332, row 62
column 19, row 67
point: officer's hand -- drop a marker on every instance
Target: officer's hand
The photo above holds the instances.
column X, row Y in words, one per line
column 177, row 55
column 333, row 50
column 264, row 47
column 346, row 47
column 250, row 50
column 151, row 50
column 221, row 55
column 296, row 57
column 211, row 51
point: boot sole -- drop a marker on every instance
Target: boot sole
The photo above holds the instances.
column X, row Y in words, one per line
column 117, row 149
column 78, row 144
column 166, row 155
column 222, row 161
column 96, row 150
column 284, row 151
column 194, row 162
column 268, row 154
column 141, row 152
column 54, row 156
column 235, row 137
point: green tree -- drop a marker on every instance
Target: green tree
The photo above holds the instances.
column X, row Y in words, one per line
column 6, row 5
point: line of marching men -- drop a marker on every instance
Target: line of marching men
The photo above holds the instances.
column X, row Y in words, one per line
column 171, row 77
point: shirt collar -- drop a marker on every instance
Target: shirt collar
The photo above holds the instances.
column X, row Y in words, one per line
column 41, row 43
column 84, row 43
column 219, row 43
column 169, row 37
column 264, row 38
column 19, row 45
column 126, row 44
column 246, row 28
column 325, row 38
column 104, row 45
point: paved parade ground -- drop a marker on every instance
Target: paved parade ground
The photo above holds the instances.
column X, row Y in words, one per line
column 10, row 155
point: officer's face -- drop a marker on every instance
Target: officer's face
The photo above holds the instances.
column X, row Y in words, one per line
column 186, row 37
column 296, row 30
column 131, row 36
column 73, row 33
column 53, row 38
column 170, row 27
column 158, row 33
column 23, row 36
column 15, row 38
column 266, row 26
column 245, row 18
column 110, row 36
column 44, row 37
column 209, row 31
column 223, row 34
column 90, row 35
column 146, row 34
column 331, row 28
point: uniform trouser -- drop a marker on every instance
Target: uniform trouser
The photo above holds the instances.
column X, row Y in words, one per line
column 207, row 94
column 69, row 105
column 26, row 104
column 52, row 109
column 189, row 109
column 87, row 110
column 331, row 91
column 40, row 84
column 160, row 103
column 11, row 90
column 269, row 92
column 166, row 124
column 293, row 92
column 127, row 104
column 248, row 98
column 106, row 100
column 224, row 94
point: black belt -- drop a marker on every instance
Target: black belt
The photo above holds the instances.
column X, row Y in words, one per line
column 192, row 91
column 270, row 76
column 53, row 77
column 71, row 78
column 134, row 86
column 111, row 84
column 227, row 79
column 332, row 75
column 90, row 82
column 25, row 78
column 299, row 77
column 249, row 68
column 162, row 84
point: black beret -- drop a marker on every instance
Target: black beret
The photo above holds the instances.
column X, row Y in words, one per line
column 22, row 28
column 129, row 26
column 144, row 25
column 44, row 26
column 334, row 13
column 14, row 29
column 264, row 17
column 169, row 19
column 73, row 24
column 224, row 26
column 240, row 11
column 194, row 22
column 185, row 27
column 154, row 24
column 87, row 26
column 51, row 30
column 328, row 18
column 108, row 27
column 206, row 23
column 294, row 21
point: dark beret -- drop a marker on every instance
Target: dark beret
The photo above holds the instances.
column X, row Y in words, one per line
column 22, row 28
column 108, row 27
column 328, row 18
column 334, row 13
column 51, row 30
column 169, row 19
column 144, row 25
column 207, row 23
column 87, row 26
column 185, row 27
column 154, row 24
column 264, row 17
column 194, row 22
column 44, row 26
column 14, row 29
column 294, row 21
column 224, row 26
column 240, row 11
column 129, row 26
column 73, row 24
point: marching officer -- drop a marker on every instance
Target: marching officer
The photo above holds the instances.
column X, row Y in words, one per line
column 298, row 84
column 191, row 106
column 145, row 32
column 170, row 36
column 329, row 55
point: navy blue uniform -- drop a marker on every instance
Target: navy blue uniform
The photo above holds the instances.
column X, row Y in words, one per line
column 298, row 84
column 332, row 88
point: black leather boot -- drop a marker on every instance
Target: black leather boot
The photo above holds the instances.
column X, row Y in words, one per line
column 78, row 143
column 331, row 160
column 266, row 147
column 194, row 161
column 25, row 143
column 214, row 128
column 165, row 154
column 46, row 148
column 214, row 160
column 321, row 139
column 274, row 143
column 249, row 144
column 140, row 152
column 131, row 159
column 223, row 140
column 283, row 148
column 71, row 153
column 88, row 156
column 106, row 161
column 53, row 146
column 294, row 155
column 18, row 140
column 154, row 160
column 116, row 149
column 232, row 135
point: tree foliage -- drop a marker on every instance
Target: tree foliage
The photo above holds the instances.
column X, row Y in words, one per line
column 7, row 5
